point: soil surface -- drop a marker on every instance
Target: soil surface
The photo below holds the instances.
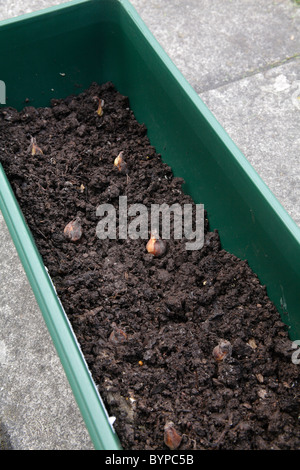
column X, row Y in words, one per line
column 148, row 326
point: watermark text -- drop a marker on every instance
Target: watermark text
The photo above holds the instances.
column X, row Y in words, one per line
column 133, row 222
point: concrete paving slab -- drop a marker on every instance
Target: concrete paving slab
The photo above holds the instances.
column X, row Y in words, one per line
column 214, row 42
column 261, row 113
column 242, row 57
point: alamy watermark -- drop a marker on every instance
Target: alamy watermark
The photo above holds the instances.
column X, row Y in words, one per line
column 133, row 222
column 2, row 92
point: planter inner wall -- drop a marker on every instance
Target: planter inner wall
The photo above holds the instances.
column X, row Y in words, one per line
column 62, row 50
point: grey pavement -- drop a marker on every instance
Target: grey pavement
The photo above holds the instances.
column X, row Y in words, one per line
column 243, row 59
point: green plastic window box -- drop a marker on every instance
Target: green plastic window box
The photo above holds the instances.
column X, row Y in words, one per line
column 62, row 50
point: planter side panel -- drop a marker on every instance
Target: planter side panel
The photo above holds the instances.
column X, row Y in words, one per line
column 59, row 52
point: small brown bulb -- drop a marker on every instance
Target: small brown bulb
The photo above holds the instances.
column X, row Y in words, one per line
column 117, row 336
column 100, row 106
column 35, row 149
column 120, row 163
column 222, row 350
column 171, row 437
column 156, row 246
column 73, row 230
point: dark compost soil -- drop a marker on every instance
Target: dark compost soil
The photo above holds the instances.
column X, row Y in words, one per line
column 148, row 325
